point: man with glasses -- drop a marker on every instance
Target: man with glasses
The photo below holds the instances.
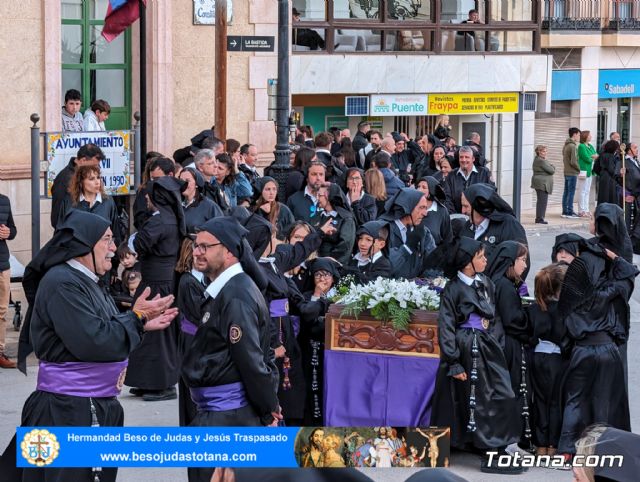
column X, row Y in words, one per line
column 80, row 338
column 229, row 368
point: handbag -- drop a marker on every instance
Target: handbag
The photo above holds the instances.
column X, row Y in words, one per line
column 582, row 175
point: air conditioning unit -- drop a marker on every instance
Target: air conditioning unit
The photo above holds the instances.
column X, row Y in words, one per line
column 356, row 105
column 530, row 102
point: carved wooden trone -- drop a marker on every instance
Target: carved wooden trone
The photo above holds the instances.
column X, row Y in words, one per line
column 368, row 335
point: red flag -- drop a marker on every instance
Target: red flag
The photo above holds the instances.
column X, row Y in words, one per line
column 120, row 17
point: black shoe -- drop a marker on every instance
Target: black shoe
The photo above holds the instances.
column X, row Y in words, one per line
column 137, row 392
column 160, row 395
column 541, row 221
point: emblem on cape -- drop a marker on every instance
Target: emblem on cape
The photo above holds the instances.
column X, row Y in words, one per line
column 485, row 323
column 235, row 333
column 40, row 447
column 205, row 318
column 492, row 239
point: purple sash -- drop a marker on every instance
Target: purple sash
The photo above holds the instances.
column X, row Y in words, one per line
column 188, row 327
column 278, row 308
column 295, row 322
column 220, row 398
column 474, row 321
column 82, row 379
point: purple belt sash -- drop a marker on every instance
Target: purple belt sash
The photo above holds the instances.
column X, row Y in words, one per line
column 474, row 321
column 278, row 308
column 220, row 398
column 188, row 327
column 82, row 379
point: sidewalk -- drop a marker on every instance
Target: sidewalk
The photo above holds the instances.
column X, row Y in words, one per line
column 555, row 220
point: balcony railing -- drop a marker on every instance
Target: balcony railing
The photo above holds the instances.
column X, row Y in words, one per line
column 407, row 26
column 607, row 15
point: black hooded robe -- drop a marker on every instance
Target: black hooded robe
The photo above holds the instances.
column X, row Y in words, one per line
column 594, row 388
column 496, row 414
column 81, row 323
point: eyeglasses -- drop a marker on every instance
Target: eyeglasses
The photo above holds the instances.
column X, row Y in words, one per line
column 203, row 246
column 355, row 178
column 322, row 274
column 108, row 240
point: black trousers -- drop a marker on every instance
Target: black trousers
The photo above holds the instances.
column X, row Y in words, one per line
column 546, row 380
column 542, row 197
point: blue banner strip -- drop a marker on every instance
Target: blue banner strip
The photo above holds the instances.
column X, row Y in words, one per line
column 156, row 447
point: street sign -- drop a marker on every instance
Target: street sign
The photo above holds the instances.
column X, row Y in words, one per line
column 246, row 43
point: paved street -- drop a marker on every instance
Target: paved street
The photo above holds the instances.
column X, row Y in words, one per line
column 16, row 388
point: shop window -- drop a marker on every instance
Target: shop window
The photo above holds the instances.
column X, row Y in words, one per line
column 99, row 70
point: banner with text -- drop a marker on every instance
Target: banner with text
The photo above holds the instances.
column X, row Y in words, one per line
column 232, row 447
column 487, row 103
column 398, row 105
column 115, row 168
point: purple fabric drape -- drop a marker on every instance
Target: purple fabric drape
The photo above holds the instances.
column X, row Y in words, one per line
column 81, row 379
column 474, row 321
column 221, row 398
column 187, row 326
column 369, row 390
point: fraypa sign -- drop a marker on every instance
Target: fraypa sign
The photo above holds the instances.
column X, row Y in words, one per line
column 398, row 105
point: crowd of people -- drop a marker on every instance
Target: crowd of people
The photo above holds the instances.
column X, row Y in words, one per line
column 224, row 285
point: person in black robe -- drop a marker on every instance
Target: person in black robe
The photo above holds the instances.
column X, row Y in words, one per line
column 311, row 338
column 229, row 366
column 300, row 275
column 410, row 242
column 608, row 226
column 594, row 387
column 473, row 393
column 632, row 193
column 438, row 220
column 506, row 267
column 491, row 219
column 369, row 262
column 339, row 244
column 566, row 247
column 197, row 208
column 284, row 300
column 189, row 300
column 550, row 358
column 362, row 204
column 606, row 166
column 153, row 369
column 79, row 330
column 157, row 167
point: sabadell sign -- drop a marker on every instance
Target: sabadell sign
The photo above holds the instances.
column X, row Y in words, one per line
column 398, row 105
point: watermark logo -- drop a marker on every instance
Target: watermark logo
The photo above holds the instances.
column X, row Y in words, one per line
column 554, row 461
column 40, row 447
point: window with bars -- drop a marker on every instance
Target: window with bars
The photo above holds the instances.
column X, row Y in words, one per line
column 99, row 70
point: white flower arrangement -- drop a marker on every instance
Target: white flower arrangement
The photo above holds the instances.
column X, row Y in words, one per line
column 391, row 300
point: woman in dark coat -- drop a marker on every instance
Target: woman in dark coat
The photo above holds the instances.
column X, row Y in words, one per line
column 605, row 168
column 265, row 191
column 506, row 268
column 473, row 384
column 334, row 205
column 86, row 193
column 362, row 204
column 197, row 208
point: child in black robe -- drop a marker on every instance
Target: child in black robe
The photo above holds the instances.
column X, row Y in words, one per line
column 473, row 392
column 507, row 266
column 549, row 360
column 369, row 262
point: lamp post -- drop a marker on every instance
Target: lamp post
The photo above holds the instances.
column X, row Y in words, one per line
column 279, row 170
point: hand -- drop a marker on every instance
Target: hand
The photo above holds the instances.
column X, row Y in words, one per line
column 595, row 156
column 610, row 254
column 622, row 171
column 322, row 287
column 277, row 416
column 354, row 193
column 5, row 232
column 280, row 352
column 461, row 376
column 161, row 322
column 151, row 308
column 404, row 136
column 223, row 475
column 327, row 228
column 629, row 199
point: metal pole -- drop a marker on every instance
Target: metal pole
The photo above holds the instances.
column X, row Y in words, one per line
column 35, row 185
column 137, row 154
column 220, row 106
column 281, row 167
column 143, row 76
column 517, row 156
